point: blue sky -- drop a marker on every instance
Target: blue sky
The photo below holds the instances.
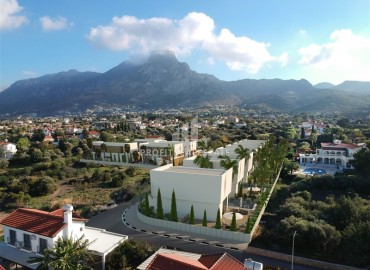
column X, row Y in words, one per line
column 321, row 41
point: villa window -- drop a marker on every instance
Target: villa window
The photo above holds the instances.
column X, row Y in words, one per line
column 13, row 237
column 42, row 245
column 27, row 241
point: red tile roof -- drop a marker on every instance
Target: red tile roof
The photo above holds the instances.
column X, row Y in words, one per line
column 206, row 262
column 37, row 221
column 174, row 262
column 340, row 145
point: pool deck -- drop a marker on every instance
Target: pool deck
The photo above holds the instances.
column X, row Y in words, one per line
column 330, row 169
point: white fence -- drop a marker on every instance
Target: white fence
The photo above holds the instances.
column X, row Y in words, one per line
column 228, row 235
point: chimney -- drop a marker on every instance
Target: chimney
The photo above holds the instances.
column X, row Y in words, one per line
column 67, row 212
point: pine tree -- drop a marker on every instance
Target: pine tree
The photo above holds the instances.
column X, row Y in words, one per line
column 218, row 220
column 233, row 223
column 205, row 218
column 191, row 221
column 147, row 210
column 173, row 215
column 159, row 205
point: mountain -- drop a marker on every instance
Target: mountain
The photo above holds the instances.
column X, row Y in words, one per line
column 354, row 87
column 324, row 85
column 162, row 81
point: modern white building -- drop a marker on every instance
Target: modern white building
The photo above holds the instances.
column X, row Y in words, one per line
column 205, row 189
column 28, row 232
column 115, row 151
column 335, row 154
column 9, row 150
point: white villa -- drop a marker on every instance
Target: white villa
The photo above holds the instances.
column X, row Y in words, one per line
column 9, row 149
column 205, row 189
column 335, row 154
column 28, row 232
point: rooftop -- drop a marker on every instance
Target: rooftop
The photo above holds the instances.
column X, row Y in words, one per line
column 44, row 223
column 102, row 241
column 191, row 170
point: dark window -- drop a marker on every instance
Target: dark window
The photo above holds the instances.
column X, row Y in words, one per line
column 27, row 241
column 13, row 237
column 43, row 245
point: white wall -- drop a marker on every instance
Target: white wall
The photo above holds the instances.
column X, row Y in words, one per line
column 203, row 191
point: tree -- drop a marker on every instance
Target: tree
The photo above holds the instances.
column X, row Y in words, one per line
column 240, row 190
column 38, row 135
column 128, row 255
column 173, row 214
column 127, row 148
column 248, row 225
column 361, row 162
column 233, row 223
column 160, row 214
column 218, row 220
column 203, row 162
column 204, row 223
column 243, row 153
column 147, row 210
column 3, row 163
column 103, row 148
column 227, row 163
column 66, row 254
column 202, row 145
column 303, row 134
column 23, row 144
column 191, row 219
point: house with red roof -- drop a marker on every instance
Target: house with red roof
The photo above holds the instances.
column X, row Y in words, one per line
column 28, row 232
column 165, row 259
column 336, row 154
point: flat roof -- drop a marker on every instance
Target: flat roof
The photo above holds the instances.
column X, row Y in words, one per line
column 191, row 170
column 102, row 241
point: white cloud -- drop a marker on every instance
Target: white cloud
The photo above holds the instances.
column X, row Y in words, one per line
column 345, row 57
column 53, row 24
column 28, row 73
column 196, row 31
column 10, row 17
column 302, row 32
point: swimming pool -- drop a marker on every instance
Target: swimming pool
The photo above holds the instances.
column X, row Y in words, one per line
column 314, row 171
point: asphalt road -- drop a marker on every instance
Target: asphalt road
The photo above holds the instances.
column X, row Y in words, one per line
column 111, row 220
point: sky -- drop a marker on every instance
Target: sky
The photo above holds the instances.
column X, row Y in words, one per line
column 321, row 41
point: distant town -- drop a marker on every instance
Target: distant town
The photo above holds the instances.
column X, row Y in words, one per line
column 240, row 184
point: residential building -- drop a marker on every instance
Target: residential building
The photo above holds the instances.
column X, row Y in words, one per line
column 28, row 232
column 114, row 151
column 164, row 259
column 205, row 189
column 335, row 154
column 9, row 150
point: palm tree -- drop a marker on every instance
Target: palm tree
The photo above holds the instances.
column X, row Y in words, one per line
column 227, row 163
column 66, row 254
column 204, row 162
column 243, row 153
column 202, row 145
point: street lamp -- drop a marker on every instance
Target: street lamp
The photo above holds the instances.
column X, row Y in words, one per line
column 295, row 232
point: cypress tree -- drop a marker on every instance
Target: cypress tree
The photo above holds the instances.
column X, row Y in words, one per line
column 147, row 211
column 159, row 205
column 247, row 226
column 119, row 157
column 110, row 156
column 124, row 160
column 218, row 220
column 173, row 215
column 191, row 221
column 205, row 218
column 240, row 191
column 233, row 223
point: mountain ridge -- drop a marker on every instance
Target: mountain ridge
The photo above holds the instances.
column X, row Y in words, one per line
column 161, row 81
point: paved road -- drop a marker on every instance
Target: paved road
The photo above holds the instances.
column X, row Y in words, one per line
column 112, row 220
